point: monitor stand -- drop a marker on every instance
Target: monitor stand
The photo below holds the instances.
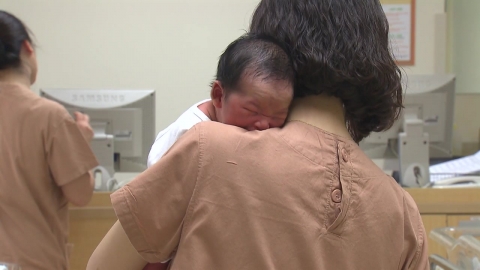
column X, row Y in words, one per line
column 103, row 147
column 413, row 152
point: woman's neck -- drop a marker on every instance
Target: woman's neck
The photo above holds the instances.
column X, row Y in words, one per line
column 12, row 76
column 322, row 111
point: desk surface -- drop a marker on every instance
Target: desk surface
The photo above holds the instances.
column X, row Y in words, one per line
column 429, row 200
column 446, row 201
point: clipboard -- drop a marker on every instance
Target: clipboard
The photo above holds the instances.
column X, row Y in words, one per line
column 401, row 19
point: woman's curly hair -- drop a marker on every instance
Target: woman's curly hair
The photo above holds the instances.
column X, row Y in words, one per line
column 341, row 48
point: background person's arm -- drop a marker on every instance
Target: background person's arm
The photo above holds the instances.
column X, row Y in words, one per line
column 83, row 124
column 70, row 157
column 79, row 191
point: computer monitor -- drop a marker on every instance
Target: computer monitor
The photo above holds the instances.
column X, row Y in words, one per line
column 123, row 122
column 430, row 99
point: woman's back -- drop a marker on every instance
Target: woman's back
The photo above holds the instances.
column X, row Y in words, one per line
column 36, row 143
column 290, row 198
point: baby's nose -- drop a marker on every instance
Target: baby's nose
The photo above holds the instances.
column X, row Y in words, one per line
column 262, row 125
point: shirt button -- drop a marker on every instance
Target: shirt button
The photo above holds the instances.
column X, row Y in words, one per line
column 337, row 195
column 344, row 155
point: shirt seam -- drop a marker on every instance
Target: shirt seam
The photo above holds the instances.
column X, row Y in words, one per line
column 420, row 243
column 309, row 159
column 134, row 221
column 328, row 208
column 345, row 174
column 193, row 198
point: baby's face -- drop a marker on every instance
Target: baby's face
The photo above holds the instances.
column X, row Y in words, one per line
column 258, row 104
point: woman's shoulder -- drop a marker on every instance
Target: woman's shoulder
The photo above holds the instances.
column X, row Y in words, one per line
column 50, row 108
column 213, row 129
column 29, row 105
column 45, row 112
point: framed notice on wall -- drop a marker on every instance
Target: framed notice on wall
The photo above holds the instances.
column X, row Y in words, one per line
column 401, row 19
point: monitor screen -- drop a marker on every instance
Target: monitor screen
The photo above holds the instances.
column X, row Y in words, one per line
column 123, row 122
column 431, row 98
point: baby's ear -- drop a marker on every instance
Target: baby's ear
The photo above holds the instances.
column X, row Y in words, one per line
column 217, row 94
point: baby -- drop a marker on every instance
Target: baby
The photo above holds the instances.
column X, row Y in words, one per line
column 253, row 90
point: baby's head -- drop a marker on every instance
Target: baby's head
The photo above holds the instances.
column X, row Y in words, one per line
column 254, row 84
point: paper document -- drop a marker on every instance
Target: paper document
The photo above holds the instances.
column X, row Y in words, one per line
column 465, row 165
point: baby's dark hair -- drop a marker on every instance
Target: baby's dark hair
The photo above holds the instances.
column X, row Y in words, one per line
column 341, row 48
column 255, row 55
column 12, row 34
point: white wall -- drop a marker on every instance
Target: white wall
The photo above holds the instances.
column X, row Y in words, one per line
column 169, row 45
column 465, row 40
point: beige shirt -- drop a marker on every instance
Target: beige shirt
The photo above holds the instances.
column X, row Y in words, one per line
column 41, row 149
column 290, row 198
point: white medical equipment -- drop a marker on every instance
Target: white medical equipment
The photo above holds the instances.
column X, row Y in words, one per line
column 123, row 122
column 424, row 130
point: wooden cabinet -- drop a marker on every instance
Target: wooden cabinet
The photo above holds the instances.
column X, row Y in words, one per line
column 88, row 226
column 445, row 207
column 431, row 222
column 453, row 220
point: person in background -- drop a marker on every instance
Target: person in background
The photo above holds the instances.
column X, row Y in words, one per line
column 304, row 196
column 45, row 160
column 253, row 90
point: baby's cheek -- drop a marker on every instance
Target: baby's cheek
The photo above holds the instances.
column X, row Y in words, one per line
column 278, row 123
column 245, row 123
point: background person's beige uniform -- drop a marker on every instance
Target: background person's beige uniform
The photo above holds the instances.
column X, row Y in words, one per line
column 290, row 198
column 41, row 149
